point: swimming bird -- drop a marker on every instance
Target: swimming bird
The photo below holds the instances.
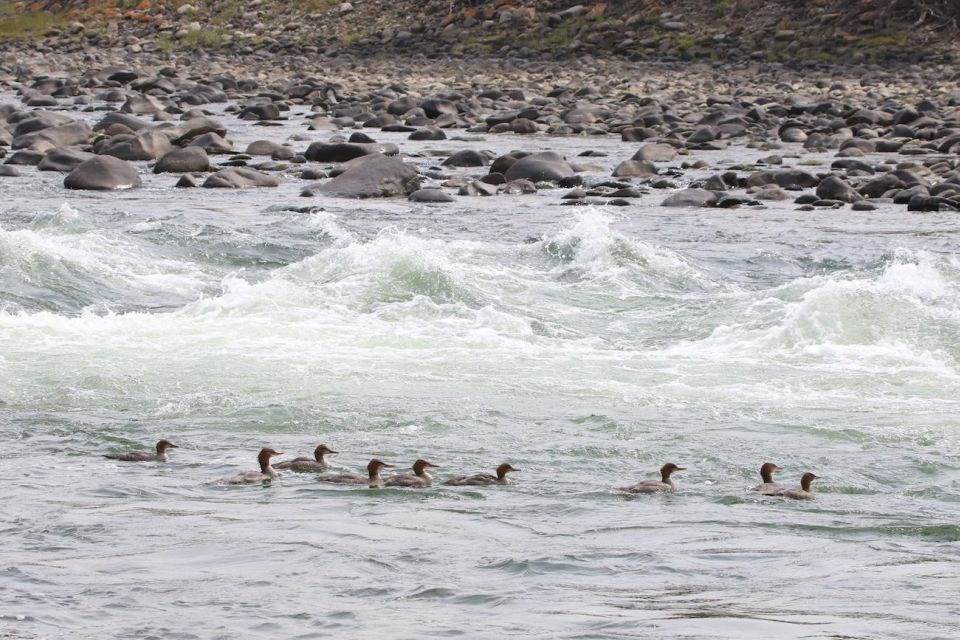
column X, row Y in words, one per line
column 481, row 479
column 657, row 486
column 304, row 464
column 804, row 492
column 420, row 478
column 769, row 487
column 372, row 479
column 266, row 473
column 144, row 456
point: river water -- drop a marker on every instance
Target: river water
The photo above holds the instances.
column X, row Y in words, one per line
column 585, row 345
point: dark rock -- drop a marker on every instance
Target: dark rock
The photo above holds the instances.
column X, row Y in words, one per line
column 239, row 178
column 147, row 144
column 834, row 188
column 370, row 176
column 466, row 158
column 346, row 151
column 187, row 181
column 656, row 153
column 428, row 133
column 63, row 160
column 543, row 166
column 183, row 160
column 212, row 143
column 634, row 169
column 691, row 198
column 103, row 173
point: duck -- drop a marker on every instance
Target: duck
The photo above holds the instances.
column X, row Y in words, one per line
column 768, row 487
column 372, row 479
column 304, row 464
column 266, row 473
column 481, row 479
column 144, row 456
column 665, row 484
column 419, row 479
column 804, row 492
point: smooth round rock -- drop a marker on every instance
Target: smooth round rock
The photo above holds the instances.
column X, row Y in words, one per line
column 103, row 173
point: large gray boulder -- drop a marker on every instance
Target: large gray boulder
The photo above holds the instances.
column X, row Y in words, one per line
column 346, row 151
column 656, row 153
column 239, row 178
column 536, row 167
column 63, row 160
column 143, row 145
column 64, row 135
column 103, row 173
column 691, row 198
column 375, row 176
column 834, row 188
column 186, row 160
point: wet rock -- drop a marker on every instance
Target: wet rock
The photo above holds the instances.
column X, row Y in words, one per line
column 790, row 179
column 8, row 171
column 656, row 153
column 346, row 151
column 65, row 135
column 428, row 133
column 186, row 160
column 691, row 198
column 634, row 169
column 239, row 178
column 63, row 160
column 834, row 188
column 546, row 165
column 146, row 144
column 103, row 173
column 478, row 188
column 212, row 143
column 430, row 195
column 370, row 176
column 466, row 158
column 519, row 187
column 187, row 181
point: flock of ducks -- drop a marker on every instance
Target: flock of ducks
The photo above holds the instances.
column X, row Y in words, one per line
column 421, row 478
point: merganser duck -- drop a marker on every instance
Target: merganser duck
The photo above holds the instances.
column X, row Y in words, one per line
column 481, row 479
column 144, row 456
column 372, row 479
column 420, row 478
column 266, row 473
column 769, row 487
column 657, row 486
column 804, row 492
column 317, row 463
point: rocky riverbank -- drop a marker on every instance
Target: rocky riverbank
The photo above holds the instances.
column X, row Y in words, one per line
column 894, row 134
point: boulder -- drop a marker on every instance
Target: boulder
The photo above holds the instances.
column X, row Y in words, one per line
column 428, row 133
column 371, row 176
column 634, row 169
column 239, row 178
column 64, row 135
column 346, row 151
column 63, row 160
column 147, row 144
column 466, row 158
column 691, row 198
column 430, row 195
column 103, row 173
column 544, row 166
column 656, row 153
column 833, row 188
column 183, row 160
